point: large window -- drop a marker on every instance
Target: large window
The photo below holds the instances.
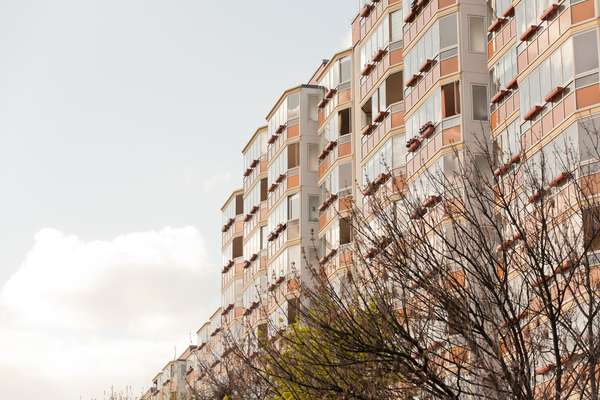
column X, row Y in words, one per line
column 476, row 34
column 480, row 102
column 396, row 24
column 440, row 39
column 293, row 155
column 585, row 47
column 505, row 70
column 379, row 40
column 450, row 100
column 391, row 156
column 294, row 207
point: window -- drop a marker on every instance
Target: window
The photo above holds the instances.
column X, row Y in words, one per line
column 345, row 70
column 448, row 31
column 367, row 113
column 345, row 176
column 396, row 24
column 238, row 247
column 263, row 236
column 450, row 100
column 394, row 88
column 313, row 157
column 293, row 105
column 293, row 155
column 294, row 207
column 480, row 103
column 344, row 118
column 239, row 204
column 476, row 34
column 264, row 189
column 591, row 227
column 345, row 231
column 585, row 47
column 313, row 208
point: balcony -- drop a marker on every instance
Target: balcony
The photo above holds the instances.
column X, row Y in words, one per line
column 446, row 63
column 504, row 109
column 342, row 95
column 362, row 24
column 342, row 149
column 340, row 259
column 505, row 35
column 550, row 30
column 554, row 113
column 392, row 56
column 339, row 205
column 394, row 119
column 420, row 16
column 289, row 181
column 446, row 134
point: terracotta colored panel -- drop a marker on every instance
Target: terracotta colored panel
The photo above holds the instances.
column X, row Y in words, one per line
column 344, row 149
column 554, row 31
column 239, row 226
column 509, row 106
column 558, row 113
column 393, row 1
column 346, row 258
column 397, row 119
column 547, row 123
column 356, row 31
column 590, row 184
column 293, row 181
column 263, row 166
column 449, row 66
column 323, row 168
column 522, row 61
column 588, row 95
column 451, row 135
column 564, row 21
column 536, row 132
column 293, row 131
column 582, row 11
column 543, row 40
column 569, row 104
column 323, row 220
column 396, row 57
column 494, row 120
column 532, row 51
column 490, row 49
column 345, row 204
column 344, row 96
column 502, row 113
column 446, row 3
column 321, row 117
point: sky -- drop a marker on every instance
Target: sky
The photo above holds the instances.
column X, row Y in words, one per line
column 121, row 129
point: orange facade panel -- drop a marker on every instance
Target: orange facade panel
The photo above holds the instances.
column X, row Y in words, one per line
column 293, row 181
column 344, row 96
column 449, row 66
column 344, row 149
column 582, row 11
column 588, row 96
column 293, row 131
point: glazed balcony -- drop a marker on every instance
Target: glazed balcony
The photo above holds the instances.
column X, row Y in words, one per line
column 236, row 229
column 538, row 38
column 337, row 259
column 254, row 171
column 557, row 110
column 446, row 133
column 279, row 138
column 375, row 132
column 339, row 149
column 366, row 20
column 341, row 96
column 420, row 15
column 504, row 109
column 335, row 205
column 503, row 35
column 446, row 63
column 378, row 68
column 284, row 183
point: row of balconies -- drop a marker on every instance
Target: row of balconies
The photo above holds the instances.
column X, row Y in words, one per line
column 553, row 24
column 423, row 149
column 385, row 122
column 503, row 31
column 420, row 14
column 560, row 105
column 429, row 74
column 381, row 63
column 368, row 18
column 337, row 149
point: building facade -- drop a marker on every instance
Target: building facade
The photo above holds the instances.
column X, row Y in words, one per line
column 423, row 83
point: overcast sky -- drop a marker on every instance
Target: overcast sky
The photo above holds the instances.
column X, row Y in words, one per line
column 121, row 126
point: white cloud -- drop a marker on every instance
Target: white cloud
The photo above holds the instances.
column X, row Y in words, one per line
column 78, row 317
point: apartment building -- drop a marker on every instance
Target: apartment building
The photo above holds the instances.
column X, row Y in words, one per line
column 292, row 200
column 424, row 82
